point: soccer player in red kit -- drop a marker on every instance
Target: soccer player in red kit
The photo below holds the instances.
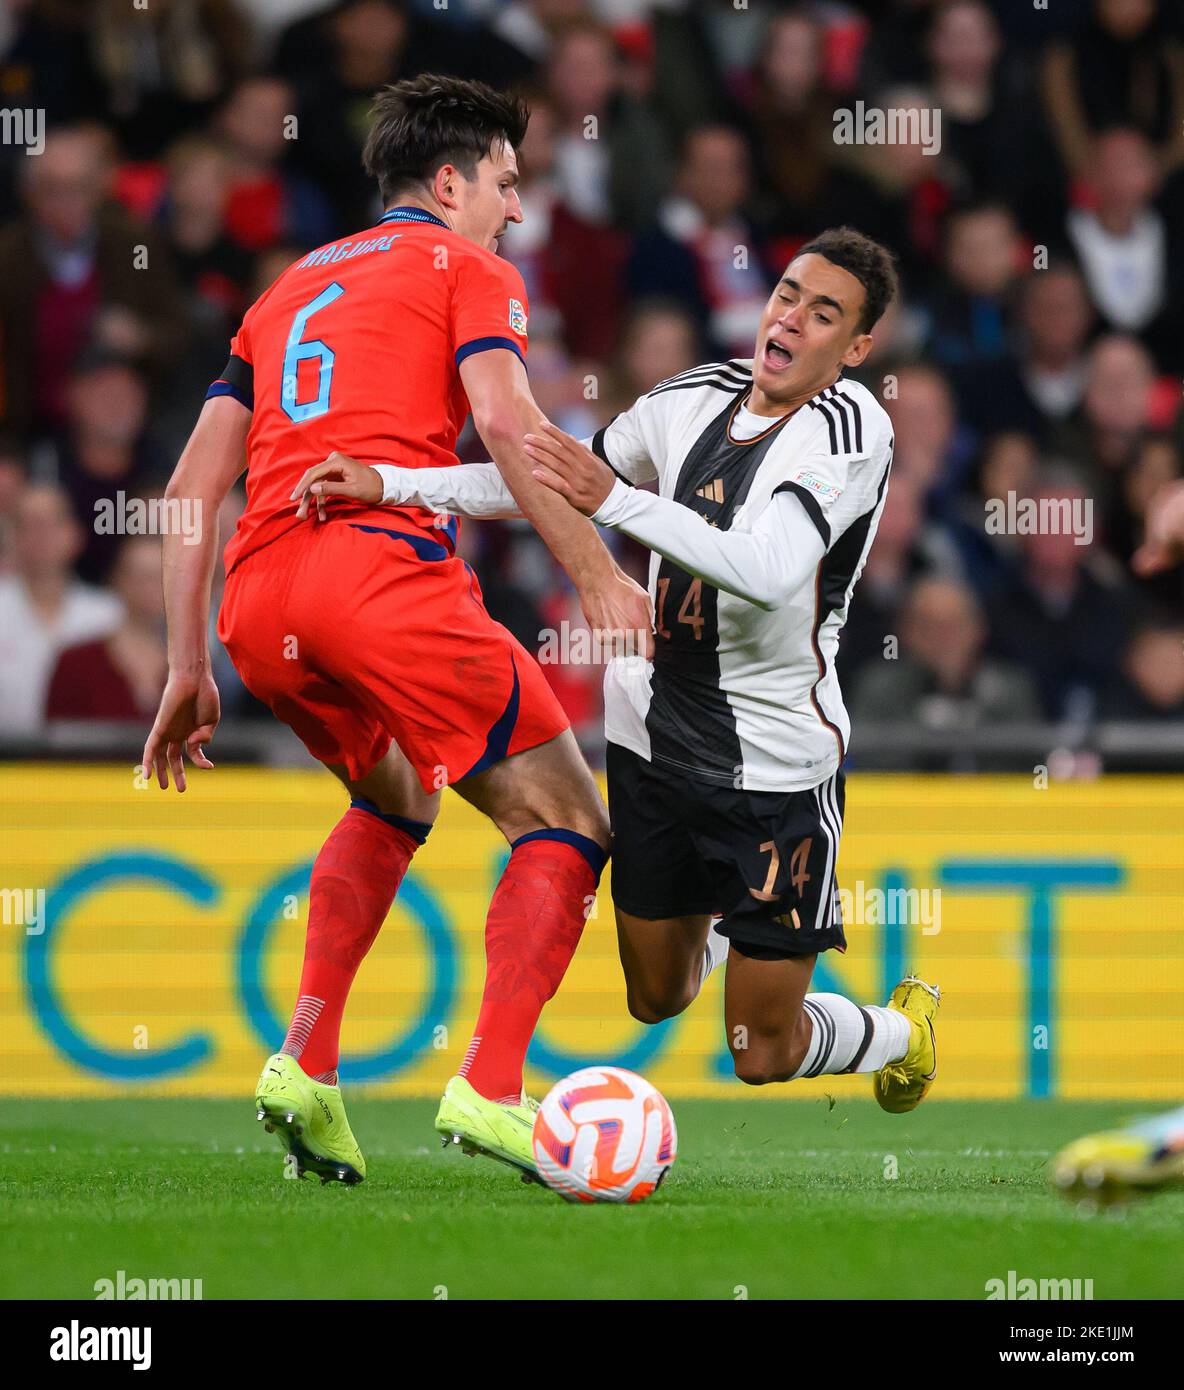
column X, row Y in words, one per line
column 363, row 630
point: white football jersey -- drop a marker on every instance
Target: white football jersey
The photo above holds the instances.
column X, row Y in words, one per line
column 737, row 693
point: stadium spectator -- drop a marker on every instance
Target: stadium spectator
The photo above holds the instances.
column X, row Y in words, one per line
column 1054, row 321
column 1058, row 620
column 704, row 251
column 1008, row 468
column 964, row 49
column 268, row 203
column 1041, row 382
column 338, row 59
column 942, row 678
column 902, row 192
column 792, row 114
column 44, row 65
column 611, row 161
column 931, row 446
column 907, row 548
column 660, row 339
column 162, row 67
column 104, row 452
column 1103, row 436
column 44, row 607
column 119, row 676
column 806, row 181
column 968, row 309
column 573, row 269
column 1122, row 243
column 76, row 268
column 1010, row 464
column 1149, row 684
column 995, row 141
column 688, row 85
column 1123, row 68
column 215, row 274
column 336, row 62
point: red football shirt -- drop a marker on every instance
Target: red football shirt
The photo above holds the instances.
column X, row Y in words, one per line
column 358, row 347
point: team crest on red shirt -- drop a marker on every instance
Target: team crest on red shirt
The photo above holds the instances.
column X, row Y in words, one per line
column 517, row 317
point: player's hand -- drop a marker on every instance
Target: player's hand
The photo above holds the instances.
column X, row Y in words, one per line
column 1163, row 544
column 622, row 608
column 337, row 476
column 188, row 715
column 569, row 468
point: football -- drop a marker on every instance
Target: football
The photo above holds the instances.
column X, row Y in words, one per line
column 604, row 1134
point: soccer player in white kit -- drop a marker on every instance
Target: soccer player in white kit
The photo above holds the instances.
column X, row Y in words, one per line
column 725, row 750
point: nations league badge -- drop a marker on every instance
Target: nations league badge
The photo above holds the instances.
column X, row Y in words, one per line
column 819, row 486
column 517, row 318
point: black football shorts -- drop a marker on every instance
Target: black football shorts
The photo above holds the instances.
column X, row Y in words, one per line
column 764, row 860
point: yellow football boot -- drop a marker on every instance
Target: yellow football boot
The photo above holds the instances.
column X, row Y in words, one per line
column 309, row 1119
column 901, row 1086
column 483, row 1126
column 1122, row 1163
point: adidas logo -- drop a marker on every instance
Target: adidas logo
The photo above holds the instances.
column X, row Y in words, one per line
column 713, row 492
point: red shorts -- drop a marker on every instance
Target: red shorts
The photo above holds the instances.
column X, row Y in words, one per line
column 356, row 635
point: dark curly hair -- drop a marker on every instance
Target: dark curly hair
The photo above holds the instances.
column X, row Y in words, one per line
column 426, row 121
column 873, row 265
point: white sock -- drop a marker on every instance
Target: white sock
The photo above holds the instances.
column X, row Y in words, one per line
column 715, row 953
column 851, row 1037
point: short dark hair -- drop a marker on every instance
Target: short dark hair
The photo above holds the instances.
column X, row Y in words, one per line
column 426, row 121
column 873, row 265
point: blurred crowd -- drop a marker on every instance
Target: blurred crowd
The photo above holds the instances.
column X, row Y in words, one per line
column 678, row 153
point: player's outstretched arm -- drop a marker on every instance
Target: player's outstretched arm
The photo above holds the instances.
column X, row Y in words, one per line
column 764, row 566
column 189, row 708
column 505, row 412
column 466, row 489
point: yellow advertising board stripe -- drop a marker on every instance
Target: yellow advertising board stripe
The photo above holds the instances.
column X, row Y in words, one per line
column 152, row 942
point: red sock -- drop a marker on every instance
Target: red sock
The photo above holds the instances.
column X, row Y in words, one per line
column 534, row 925
column 354, row 881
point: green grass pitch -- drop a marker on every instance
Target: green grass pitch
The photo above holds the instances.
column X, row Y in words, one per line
column 766, row 1201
